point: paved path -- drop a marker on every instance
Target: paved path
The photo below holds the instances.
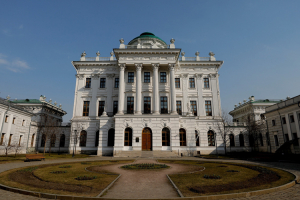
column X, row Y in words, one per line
column 292, row 193
column 143, row 184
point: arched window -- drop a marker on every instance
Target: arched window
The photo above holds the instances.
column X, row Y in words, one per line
column 62, row 140
column 97, row 139
column 231, row 138
column 52, row 141
column 241, row 139
column 83, row 135
column 128, row 137
column 197, row 138
column 211, row 138
column 43, row 142
column 165, row 136
column 261, row 139
column 111, row 137
column 182, row 137
column 32, row 139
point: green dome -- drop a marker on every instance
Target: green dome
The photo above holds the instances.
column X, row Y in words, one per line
column 147, row 35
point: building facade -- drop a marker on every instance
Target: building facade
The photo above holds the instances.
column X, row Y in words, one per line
column 14, row 125
column 283, row 121
column 145, row 97
column 250, row 116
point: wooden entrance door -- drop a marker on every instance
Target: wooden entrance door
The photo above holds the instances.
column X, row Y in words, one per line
column 147, row 139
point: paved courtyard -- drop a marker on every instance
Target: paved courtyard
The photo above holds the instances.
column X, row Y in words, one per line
column 154, row 185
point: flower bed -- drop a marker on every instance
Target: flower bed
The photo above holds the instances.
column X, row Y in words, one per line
column 65, row 166
column 212, row 176
column 58, row 172
column 145, row 166
column 83, row 178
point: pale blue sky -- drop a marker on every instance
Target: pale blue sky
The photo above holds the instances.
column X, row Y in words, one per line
column 259, row 42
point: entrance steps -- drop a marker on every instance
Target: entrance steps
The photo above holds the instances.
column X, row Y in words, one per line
column 147, row 154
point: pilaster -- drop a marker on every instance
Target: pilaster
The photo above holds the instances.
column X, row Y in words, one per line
column 155, row 89
column 138, row 88
column 121, row 89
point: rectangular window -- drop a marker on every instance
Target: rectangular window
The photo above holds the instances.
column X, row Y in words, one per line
column 6, row 118
column 115, row 107
column 177, row 82
column 2, row 138
column 23, row 123
column 163, row 105
column 283, row 120
column 101, row 107
column 276, row 140
column 130, row 77
column 192, row 83
column 9, row 141
column 20, row 139
column 88, row 83
column 194, row 107
column 206, row 83
column 130, row 104
column 273, row 123
column 86, row 108
column 14, row 119
column 116, row 82
column 292, row 120
column 163, row 77
column 146, row 77
column 102, row 82
column 178, row 107
column 208, row 108
column 147, row 105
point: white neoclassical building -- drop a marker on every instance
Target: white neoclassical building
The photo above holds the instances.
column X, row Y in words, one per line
column 146, row 97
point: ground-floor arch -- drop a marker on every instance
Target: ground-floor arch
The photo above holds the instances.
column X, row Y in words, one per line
column 147, row 139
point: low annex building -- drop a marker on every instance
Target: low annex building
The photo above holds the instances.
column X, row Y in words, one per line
column 283, row 121
column 146, row 97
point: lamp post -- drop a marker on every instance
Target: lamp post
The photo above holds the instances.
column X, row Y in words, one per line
column 75, row 141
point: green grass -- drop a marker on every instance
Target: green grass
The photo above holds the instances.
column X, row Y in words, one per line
column 196, row 180
column 43, row 172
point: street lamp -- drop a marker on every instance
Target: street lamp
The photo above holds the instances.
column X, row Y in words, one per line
column 75, row 141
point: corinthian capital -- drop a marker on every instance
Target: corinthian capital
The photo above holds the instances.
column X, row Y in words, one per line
column 198, row 76
column 110, row 76
column 155, row 66
column 171, row 67
column 122, row 67
column 80, row 76
column 138, row 67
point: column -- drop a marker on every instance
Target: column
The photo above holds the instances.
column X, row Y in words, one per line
column 200, row 105
column 155, row 89
column 138, row 87
column 95, row 78
column 172, row 89
column 121, row 90
column 109, row 89
column 215, row 89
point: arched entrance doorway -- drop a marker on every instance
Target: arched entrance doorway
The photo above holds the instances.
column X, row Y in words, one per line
column 147, row 139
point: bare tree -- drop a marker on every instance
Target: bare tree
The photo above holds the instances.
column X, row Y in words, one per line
column 7, row 147
column 255, row 126
column 224, row 128
column 17, row 148
column 49, row 130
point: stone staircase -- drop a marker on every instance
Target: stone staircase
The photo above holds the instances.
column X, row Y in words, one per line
column 147, row 154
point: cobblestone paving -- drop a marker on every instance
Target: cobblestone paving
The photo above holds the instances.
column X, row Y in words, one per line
column 292, row 193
